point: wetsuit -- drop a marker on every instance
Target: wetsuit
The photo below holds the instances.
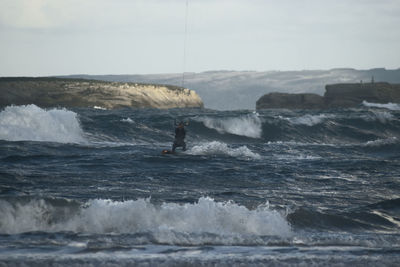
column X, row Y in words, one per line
column 179, row 141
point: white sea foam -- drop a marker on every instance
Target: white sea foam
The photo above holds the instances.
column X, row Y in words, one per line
column 19, row 123
column 128, row 120
column 218, row 148
column 297, row 156
column 166, row 222
column 249, row 125
column 382, row 142
column 100, row 108
column 381, row 116
column 309, row 120
column 391, row 106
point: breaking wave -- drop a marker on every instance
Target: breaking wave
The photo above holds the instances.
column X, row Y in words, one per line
column 128, row 120
column 31, row 123
column 207, row 134
column 246, row 125
column 391, row 106
column 381, row 116
column 218, row 148
column 382, row 142
column 100, row 108
column 309, row 120
column 166, row 222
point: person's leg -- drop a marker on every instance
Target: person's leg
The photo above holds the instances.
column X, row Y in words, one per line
column 174, row 147
column 183, row 146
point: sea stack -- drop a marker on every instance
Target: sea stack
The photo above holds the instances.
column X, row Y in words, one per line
column 50, row 92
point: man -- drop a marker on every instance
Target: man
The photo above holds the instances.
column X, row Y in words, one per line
column 180, row 134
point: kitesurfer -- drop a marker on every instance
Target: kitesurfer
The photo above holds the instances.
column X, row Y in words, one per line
column 180, row 134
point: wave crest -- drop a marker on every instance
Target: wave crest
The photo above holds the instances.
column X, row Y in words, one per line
column 382, row 142
column 218, row 148
column 391, row 106
column 249, row 125
column 141, row 216
column 309, row 120
column 31, row 123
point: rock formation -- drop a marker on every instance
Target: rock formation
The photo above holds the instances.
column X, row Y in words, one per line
column 336, row 96
column 290, row 101
column 50, row 92
column 353, row 94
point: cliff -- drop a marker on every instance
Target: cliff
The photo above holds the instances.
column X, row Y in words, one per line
column 336, row 96
column 353, row 94
column 289, row 101
column 49, row 92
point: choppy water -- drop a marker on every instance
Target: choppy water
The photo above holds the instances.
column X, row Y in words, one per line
column 278, row 187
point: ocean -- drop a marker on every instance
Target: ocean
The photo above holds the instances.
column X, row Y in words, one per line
column 90, row 187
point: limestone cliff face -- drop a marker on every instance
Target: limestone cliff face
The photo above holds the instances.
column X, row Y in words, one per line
column 336, row 96
column 49, row 92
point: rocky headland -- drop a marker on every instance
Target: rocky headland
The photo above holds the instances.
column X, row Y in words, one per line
column 232, row 90
column 345, row 95
column 50, row 92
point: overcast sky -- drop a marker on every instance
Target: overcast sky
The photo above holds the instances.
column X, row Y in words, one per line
column 54, row 37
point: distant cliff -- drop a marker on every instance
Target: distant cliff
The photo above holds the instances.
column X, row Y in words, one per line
column 350, row 95
column 49, row 92
column 290, row 101
column 336, row 96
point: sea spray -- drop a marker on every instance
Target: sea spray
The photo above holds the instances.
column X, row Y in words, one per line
column 31, row 123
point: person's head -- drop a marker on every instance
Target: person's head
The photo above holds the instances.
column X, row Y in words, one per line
column 180, row 125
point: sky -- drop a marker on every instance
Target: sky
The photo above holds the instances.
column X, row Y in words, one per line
column 60, row 37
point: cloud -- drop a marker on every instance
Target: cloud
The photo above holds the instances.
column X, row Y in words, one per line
column 90, row 14
column 145, row 36
column 23, row 13
column 278, row 18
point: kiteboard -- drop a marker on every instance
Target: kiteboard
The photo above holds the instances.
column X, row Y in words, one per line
column 166, row 151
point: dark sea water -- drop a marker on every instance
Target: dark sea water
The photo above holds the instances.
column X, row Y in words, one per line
column 90, row 187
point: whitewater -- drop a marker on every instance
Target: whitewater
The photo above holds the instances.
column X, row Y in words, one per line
column 89, row 186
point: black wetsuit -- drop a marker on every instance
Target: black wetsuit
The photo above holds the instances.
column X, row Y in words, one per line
column 179, row 141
